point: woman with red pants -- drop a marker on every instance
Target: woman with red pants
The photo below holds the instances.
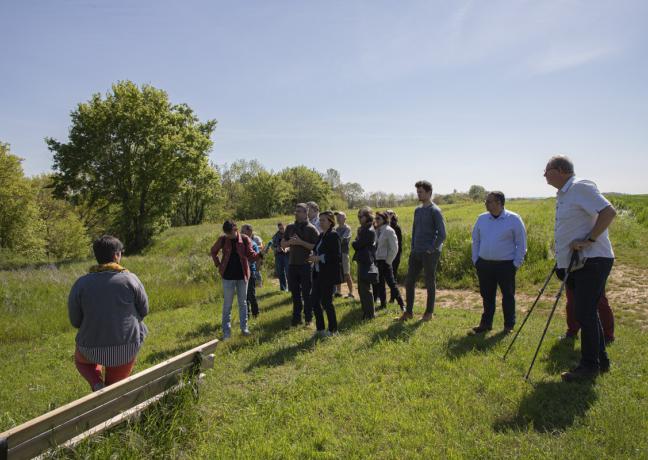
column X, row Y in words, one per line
column 107, row 306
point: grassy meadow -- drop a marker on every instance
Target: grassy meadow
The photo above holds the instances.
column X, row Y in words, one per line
column 380, row 389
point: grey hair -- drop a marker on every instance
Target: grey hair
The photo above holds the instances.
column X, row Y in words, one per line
column 562, row 163
column 313, row 205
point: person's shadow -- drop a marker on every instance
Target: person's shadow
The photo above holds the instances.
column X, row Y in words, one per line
column 283, row 355
column 562, row 356
column 460, row 346
column 397, row 331
column 550, row 407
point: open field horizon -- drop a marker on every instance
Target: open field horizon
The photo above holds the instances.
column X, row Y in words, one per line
column 380, row 389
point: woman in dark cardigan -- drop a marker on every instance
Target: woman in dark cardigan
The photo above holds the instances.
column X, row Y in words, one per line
column 365, row 255
column 393, row 223
column 327, row 273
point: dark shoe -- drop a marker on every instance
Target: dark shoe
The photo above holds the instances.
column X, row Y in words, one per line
column 405, row 316
column 337, row 294
column 295, row 323
column 608, row 340
column 427, row 317
column 580, row 373
column 569, row 336
column 605, row 367
column 479, row 330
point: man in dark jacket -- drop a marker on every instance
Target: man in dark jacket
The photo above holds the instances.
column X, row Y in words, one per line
column 365, row 255
column 300, row 237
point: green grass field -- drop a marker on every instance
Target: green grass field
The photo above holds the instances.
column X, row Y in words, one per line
column 380, row 389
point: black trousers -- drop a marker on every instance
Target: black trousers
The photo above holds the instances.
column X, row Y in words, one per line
column 386, row 276
column 396, row 264
column 428, row 263
column 589, row 284
column 322, row 296
column 300, row 283
column 366, row 298
column 491, row 274
column 253, row 305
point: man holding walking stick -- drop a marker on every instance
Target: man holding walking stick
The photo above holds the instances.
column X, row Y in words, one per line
column 583, row 216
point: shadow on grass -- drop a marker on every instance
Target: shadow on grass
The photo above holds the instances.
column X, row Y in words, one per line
column 397, row 331
column 161, row 355
column 205, row 330
column 561, row 356
column 550, row 407
column 284, row 355
column 459, row 346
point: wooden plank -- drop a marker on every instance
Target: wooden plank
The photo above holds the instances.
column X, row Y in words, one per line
column 207, row 361
column 86, row 421
column 34, row 427
column 130, row 413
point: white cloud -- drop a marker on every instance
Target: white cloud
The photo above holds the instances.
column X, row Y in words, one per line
column 557, row 59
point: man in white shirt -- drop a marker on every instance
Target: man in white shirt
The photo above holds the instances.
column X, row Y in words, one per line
column 583, row 216
column 313, row 215
column 498, row 250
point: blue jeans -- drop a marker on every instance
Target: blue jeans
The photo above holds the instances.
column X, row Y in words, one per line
column 229, row 286
column 281, row 267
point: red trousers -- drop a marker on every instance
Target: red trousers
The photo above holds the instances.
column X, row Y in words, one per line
column 92, row 371
column 604, row 311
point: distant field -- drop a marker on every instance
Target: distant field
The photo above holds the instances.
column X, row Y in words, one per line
column 380, row 389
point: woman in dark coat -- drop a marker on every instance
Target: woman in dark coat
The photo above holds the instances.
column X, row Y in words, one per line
column 393, row 223
column 327, row 273
column 365, row 255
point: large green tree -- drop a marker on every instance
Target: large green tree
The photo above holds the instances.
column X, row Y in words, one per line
column 135, row 149
column 266, row 195
column 199, row 193
column 66, row 237
column 307, row 185
column 20, row 225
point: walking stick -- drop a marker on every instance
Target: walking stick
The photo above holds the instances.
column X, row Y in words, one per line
column 553, row 270
column 574, row 257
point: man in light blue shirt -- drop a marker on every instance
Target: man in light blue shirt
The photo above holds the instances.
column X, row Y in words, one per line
column 498, row 250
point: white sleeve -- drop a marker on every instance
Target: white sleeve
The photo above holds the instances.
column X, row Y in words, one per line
column 589, row 198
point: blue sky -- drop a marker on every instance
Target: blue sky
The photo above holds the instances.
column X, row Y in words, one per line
column 457, row 92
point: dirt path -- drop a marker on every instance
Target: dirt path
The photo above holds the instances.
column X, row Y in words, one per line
column 627, row 292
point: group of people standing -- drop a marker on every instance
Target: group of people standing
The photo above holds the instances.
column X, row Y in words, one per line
column 108, row 305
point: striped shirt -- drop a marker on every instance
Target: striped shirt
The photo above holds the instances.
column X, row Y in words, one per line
column 115, row 355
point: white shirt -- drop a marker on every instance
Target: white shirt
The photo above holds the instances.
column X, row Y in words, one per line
column 578, row 204
column 316, row 222
column 499, row 238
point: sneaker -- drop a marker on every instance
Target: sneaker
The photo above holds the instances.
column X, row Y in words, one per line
column 308, row 324
column 322, row 334
column 405, row 316
column 226, row 336
column 427, row 316
column 337, row 294
column 98, row 386
column 349, row 296
column 508, row 330
column 246, row 332
column 479, row 330
column 579, row 373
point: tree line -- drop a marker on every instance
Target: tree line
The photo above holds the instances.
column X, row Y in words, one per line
column 134, row 164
